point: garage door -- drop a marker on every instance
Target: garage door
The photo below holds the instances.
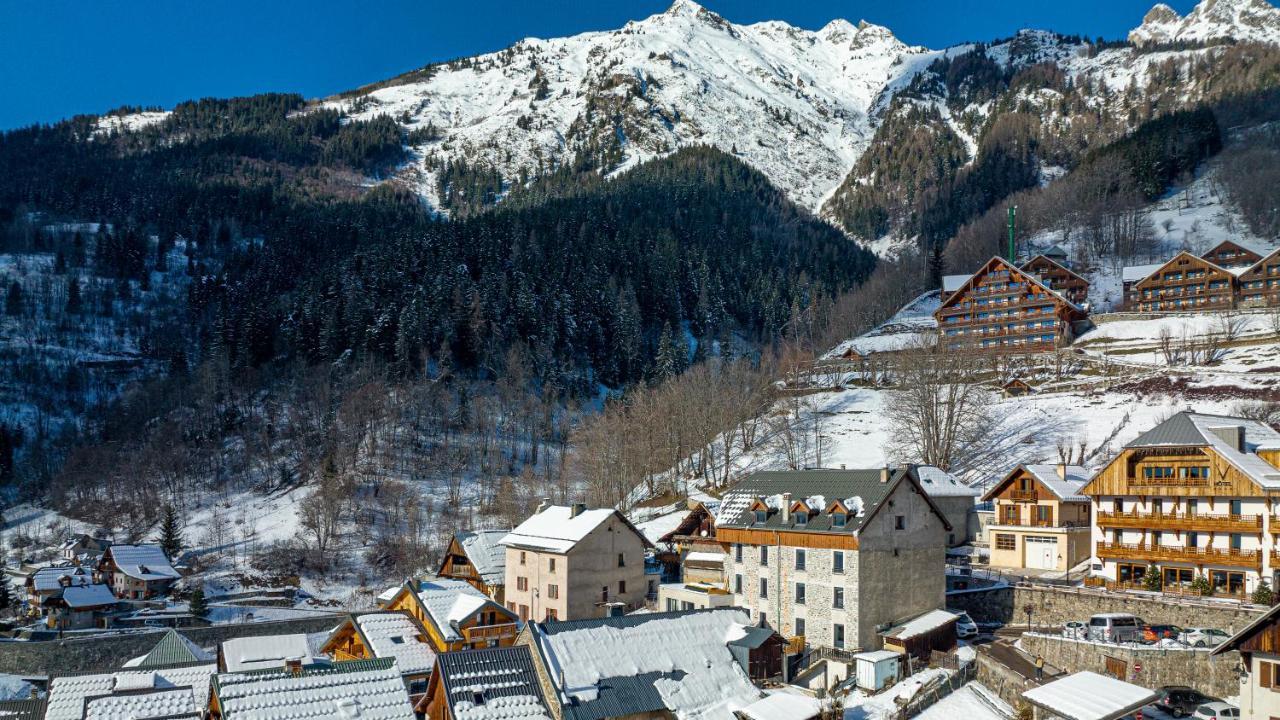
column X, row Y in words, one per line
column 1042, row 551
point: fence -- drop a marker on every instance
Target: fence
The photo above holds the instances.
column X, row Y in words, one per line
column 935, row 691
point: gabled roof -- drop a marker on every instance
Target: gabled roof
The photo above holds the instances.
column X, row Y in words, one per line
column 861, row 491
column 49, row 578
column 142, row 562
column 991, row 265
column 1240, row 243
column 940, row 483
column 692, row 519
column 174, row 648
column 487, row 554
column 1188, row 429
column 395, row 635
column 22, row 709
column 558, row 529
column 365, row 689
column 449, row 603
column 952, row 283
column 1056, row 264
column 1189, row 256
column 1089, row 696
column 1261, row 263
column 503, row 679
column 920, row 625
column 1055, row 251
column 675, row 661
column 178, row 702
column 78, row 597
column 1260, row 623
column 1066, row 489
column 265, row 652
column 67, row 694
column 1134, row 273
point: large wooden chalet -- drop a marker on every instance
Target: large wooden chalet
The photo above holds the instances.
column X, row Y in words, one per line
column 1260, row 284
column 1185, row 282
column 455, row 614
column 1230, row 254
column 479, row 558
column 1005, row 309
column 1059, row 278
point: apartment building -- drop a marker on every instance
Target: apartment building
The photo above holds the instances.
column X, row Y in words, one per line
column 1259, row 286
column 1005, row 309
column 831, row 555
column 1041, row 521
column 1185, row 282
column 1195, row 496
column 569, row 563
column 1231, row 255
column 1059, row 278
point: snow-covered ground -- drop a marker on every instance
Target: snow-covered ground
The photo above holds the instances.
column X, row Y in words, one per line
column 971, row 702
column 912, row 326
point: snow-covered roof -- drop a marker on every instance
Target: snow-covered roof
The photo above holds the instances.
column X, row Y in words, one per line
column 1134, row 273
column 395, row 635
column 259, row 652
column 925, row 623
column 911, row 327
column 67, row 694
column 173, row 648
column 487, row 555
column 448, row 602
column 365, row 689
column 1089, row 696
column 952, row 283
column 502, row 679
column 389, row 594
column 1198, row 429
column 783, row 706
column 85, row 596
column 876, row 656
column 49, row 578
column 176, row 702
column 940, row 483
column 556, row 528
column 1066, row 489
column 700, row 556
column 143, row 562
column 615, row 666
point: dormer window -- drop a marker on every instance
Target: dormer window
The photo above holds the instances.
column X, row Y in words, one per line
column 839, row 519
column 802, row 518
column 762, row 516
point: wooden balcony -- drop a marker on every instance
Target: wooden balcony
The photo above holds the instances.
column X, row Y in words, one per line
column 489, row 632
column 1198, row 556
column 340, row 654
column 1182, row 521
column 1023, row 495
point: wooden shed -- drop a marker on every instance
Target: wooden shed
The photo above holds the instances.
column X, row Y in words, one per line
column 919, row 637
column 759, row 652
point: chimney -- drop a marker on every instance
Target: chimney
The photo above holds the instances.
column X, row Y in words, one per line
column 884, row 474
column 786, row 507
column 1232, row 435
column 842, row 466
column 293, row 665
column 1062, row 471
column 577, row 509
column 546, row 503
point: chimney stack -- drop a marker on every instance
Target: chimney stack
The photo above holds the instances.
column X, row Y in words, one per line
column 546, row 503
column 786, row 507
column 577, row 509
column 884, row 474
column 293, row 665
column 1062, row 471
column 1232, row 435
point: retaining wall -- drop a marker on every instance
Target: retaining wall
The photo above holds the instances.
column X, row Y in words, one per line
column 109, row 652
column 1159, row 666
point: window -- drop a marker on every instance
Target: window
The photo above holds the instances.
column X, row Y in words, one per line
column 799, row 593
column 672, row 606
column 837, row 597
column 524, row 612
column 1156, row 537
column 838, row 519
column 764, row 588
column 737, row 584
column 762, row 516
column 622, row 560
column 622, row 587
column 799, row 559
column 800, row 627
column 1269, row 675
column 686, row 605
column 764, row 555
column 837, row 562
column 522, row 583
column 899, row 522
column 1006, row 541
column 737, row 552
column 551, row 564
column 837, row 635
column 604, row 594
column 521, row 557
column 553, row 592
column 551, row 614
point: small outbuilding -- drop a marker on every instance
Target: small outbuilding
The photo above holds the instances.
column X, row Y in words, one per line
column 1017, row 387
column 759, row 652
column 919, row 637
column 877, row 670
column 1087, row 696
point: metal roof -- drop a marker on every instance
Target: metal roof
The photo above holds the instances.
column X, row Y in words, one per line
column 551, row 627
column 486, row 554
column 755, row 637
column 829, row 484
column 1177, row 430
column 22, row 709
column 510, row 669
column 372, row 687
column 621, row 696
column 173, row 649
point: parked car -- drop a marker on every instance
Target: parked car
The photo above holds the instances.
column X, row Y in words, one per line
column 965, row 626
column 1115, row 627
column 1203, row 637
column 1180, row 700
column 1217, row 710
column 1075, row 630
column 1153, row 634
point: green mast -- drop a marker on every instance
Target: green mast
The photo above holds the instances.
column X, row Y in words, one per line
column 1013, row 215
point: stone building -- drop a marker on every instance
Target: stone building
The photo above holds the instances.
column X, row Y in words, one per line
column 831, row 555
column 1259, row 646
column 568, row 562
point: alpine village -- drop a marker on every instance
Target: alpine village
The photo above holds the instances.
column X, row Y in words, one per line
column 692, row 370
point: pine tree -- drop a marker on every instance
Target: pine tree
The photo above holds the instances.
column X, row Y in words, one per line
column 6, row 594
column 170, row 533
column 74, row 303
column 13, row 301
column 198, row 605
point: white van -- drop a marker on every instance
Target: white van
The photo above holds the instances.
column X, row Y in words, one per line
column 1115, row 627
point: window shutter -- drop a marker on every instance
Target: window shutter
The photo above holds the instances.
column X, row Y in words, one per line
column 1265, row 676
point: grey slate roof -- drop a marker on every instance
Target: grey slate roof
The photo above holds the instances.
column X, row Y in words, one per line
column 22, row 709
column 755, row 637
column 621, row 696
column 502, row 672
column 487, row 556
column 173, row 649
column 1198, row 430
column 1177, row 430
column 829, row 484
column 552, row 627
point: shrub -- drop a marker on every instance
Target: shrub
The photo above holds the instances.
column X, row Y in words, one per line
column 1264, row 595
column 1201, row 585
column 1151, row 580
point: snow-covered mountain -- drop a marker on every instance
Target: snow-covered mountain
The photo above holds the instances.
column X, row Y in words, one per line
column 1234, row 20
column 800, row 105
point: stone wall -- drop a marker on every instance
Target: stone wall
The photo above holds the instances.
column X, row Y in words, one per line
column 1004, row 682
column 1215, row 676
column 1054, row 606
column 109, row 652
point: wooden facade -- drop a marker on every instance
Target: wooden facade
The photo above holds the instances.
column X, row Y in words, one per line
column 1184, row 283
column 789, row 538
column 1032, row 526
column 1004, row 309
column 491, row 626
column 1259, row 286
column 1058, row 277
column 1229, row 254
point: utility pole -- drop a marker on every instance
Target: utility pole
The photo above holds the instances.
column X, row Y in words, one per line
column 1013, row 217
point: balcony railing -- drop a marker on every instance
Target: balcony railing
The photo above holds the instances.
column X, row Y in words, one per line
column 489, row 632
column 1023, row 495
column 1181, row 521
column 1039, row 523
column 1200, row 555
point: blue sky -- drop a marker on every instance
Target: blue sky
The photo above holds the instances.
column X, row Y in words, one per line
column 62, row 57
